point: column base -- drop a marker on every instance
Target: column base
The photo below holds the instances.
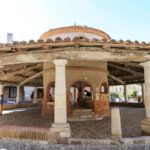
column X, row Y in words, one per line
column 145, row 126
column 59, row 133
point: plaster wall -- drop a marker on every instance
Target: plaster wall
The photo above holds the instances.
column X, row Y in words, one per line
column 71, row 35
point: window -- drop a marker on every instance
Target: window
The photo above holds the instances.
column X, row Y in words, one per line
column 104, row 88
column 12, row 92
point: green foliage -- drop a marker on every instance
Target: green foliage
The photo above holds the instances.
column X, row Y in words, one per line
column 114, row 95
column 132, row 93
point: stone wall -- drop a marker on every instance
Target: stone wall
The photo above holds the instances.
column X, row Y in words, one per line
column 6, row 93
column 93, row 73
column 48, row 109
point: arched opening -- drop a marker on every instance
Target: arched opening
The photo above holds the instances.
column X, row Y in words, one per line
column 81, row 95
column 104, row 88
column 51, row 92
column 39, row 93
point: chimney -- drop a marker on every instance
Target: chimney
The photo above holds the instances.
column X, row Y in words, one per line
column 9, row 38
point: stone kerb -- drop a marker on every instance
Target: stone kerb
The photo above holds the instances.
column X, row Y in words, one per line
column 120, row 141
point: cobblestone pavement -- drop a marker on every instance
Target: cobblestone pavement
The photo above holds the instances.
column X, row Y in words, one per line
column 11, row 144
column 31, row 117
column 131, row 121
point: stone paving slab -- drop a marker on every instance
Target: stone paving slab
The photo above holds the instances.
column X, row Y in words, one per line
column 110, row 141
column 95, row 129
column 11, row 144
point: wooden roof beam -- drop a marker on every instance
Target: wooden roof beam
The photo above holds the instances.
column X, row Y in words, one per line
column 131, row 64
column 116, row 79
column 22, row 70
column 2, row 72
column 31, row 78
column 126, row 69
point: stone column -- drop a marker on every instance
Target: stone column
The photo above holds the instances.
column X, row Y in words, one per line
column 1, row 91
column 18, row 97
column 125, row 93
column 22, row 93
column 146, row 122
column 143, row 93
column 115, row 123
column 1, row 101
column 35, row 96
column 60, row 125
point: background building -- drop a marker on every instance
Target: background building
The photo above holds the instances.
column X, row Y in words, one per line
column 9, row 38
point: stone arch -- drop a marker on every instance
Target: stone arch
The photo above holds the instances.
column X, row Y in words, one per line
column 49, row 86
column 104, row 88
column 83, row 80
column 84, row 89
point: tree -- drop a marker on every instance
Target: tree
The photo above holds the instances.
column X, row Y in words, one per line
column 133, row 93
column 114, row 95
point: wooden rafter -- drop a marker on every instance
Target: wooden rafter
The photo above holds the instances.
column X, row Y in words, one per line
column 2, row 72
column 31, row 78
column 20, row 71
column 126, row 69
column 116, row 79
column 131, row 64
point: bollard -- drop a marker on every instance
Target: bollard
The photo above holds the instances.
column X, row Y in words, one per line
column 115, row 123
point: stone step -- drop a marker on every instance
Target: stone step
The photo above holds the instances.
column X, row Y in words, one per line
column 83, row 115
column 84, row 118
column 82, row 112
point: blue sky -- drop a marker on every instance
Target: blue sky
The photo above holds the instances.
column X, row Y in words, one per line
column 121, row 19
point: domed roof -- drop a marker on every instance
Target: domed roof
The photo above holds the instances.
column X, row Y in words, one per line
column 75, row 31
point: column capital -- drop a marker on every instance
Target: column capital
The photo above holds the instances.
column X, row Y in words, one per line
column 60, row 62
column 145, row 64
